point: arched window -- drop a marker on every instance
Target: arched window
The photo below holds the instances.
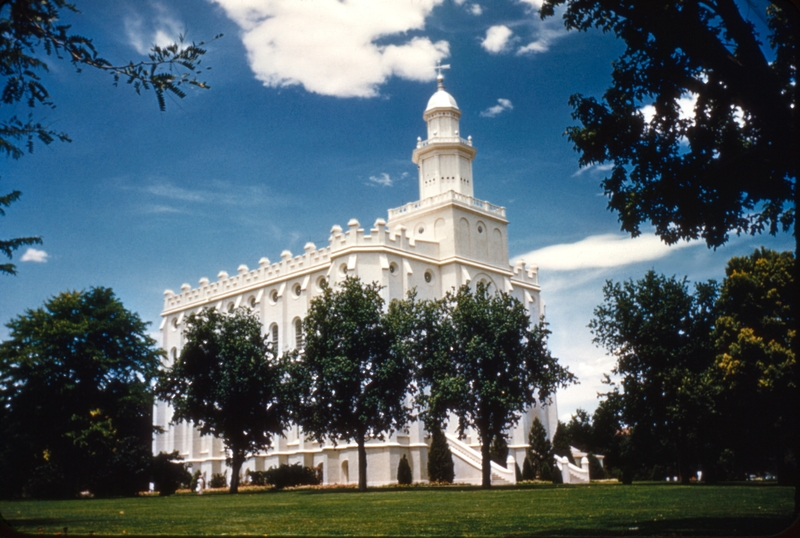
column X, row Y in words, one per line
column 274, row 337
column 298, row 333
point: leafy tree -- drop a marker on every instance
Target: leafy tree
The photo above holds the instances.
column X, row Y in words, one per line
column 440, row 459
column 579, row 431
column 228, row 383
column 756, row 365
column 731, row 165
column 352, row 376
column 659, row 333
column 491, row 366
column 404, row 477
column 539, row 453
column 75, row 399
column 32, row 32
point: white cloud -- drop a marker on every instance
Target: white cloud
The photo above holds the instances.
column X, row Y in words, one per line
column 383, row 180
column 594, row 168
column 330, row 46
column 501, row 106
column 497, row 39
column 686, row 105
column 35, row 255
column 602, row 251
column 544, row 32
column 163, row 30
column 475, row 9
column 534, row 4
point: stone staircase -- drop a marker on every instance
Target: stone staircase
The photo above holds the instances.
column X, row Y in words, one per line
column 500, row 475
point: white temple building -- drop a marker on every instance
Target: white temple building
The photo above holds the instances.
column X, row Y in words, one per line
column 445, row 239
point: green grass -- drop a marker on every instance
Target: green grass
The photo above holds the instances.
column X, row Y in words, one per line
column 602, row 509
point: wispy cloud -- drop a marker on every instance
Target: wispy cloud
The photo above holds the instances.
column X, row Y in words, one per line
column 475, row 9
column 501, row 106
column 160, row 28
column 35, row 255
column 497, row 39
column 602, row 251
column 543, row 32
column 331, row 47
column 593, row 168
column 179, row 198
column 382, row 179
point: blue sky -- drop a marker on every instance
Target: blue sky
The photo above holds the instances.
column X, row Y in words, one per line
column 313, row 112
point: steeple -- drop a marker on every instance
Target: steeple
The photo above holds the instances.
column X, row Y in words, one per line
column 445, row 159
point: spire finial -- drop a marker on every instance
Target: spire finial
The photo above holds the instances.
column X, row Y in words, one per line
column 439, row 76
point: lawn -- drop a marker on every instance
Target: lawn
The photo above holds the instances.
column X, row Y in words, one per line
column 597, row 509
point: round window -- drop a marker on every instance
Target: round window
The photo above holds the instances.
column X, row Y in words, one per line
column 343, row 268
column 296, row 289
column 252, row 302
column 480, row 229
column 421, row 230
column 174, row 324
column 274, row 296
column 393, row 268
column 428, row 277
column 321, row 281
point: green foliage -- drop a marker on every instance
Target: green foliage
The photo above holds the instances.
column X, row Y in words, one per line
column 660, row 335
column 168, row 474
column 539, row 453
column 498, row 451
column 731, row 165
column 482, row 361
column 579, row 431
column 561, row 443
column 440, row 459
column 596, row 470
column 755, row 370
column 548, row 473
column 8, row 246
column 218, row 481
column 404, row 477
column 228, row 383
column 350, row 381
column 75, row 398
column 195, row 478
column 285, row 476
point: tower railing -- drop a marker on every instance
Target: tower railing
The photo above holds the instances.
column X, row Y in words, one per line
column 444, row 140
column 449, row 196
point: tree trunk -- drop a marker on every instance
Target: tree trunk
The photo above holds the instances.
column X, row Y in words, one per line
column 362, row 464
column 236, row 467
column 486, row 462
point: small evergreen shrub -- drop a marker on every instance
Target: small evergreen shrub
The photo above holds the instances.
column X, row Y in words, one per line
column 517, row 472
column 596, row 470
column 404, row 477
column 218, row 480
column 498, row 451
column 550, row 475
column 527, row 470
column 440, row 459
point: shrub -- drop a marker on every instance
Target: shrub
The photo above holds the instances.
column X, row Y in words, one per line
column 193, row 483
column 286, row 476
column 596, row 470
column 527, row 470
column 550, row 475
column 517, row 472
column 218, row 480
column 440, row 460
column 168, row 473
column 498, row 451
column 404, row 477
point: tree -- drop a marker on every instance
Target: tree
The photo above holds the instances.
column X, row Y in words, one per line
column 31, row 32
column 168, row 473
column 498, row 451
column 579, row 431
column 561, row 442
column 75, row 399
column 539, row 453
column 440, row 459
column 731, row 166
column 7, row 247
column 659, row 333
column 228, row 382
column 352, row 376
column 491, row 366
column 756, row 365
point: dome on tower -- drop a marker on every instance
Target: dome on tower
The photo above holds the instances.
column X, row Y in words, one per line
column 441, row 99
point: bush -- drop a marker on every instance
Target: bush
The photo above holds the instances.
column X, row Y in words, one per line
column 168, row 474
column 596, row 470
column 498, row 451
column 286, row 476
column 218, row 480
column 193, row 483
column 404, row 477
column 517, row 472
column 550, row 475
column 527, row 470
column 440, row 460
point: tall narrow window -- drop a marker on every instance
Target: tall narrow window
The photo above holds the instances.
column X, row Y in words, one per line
column 274, row 331
column 298, row 333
